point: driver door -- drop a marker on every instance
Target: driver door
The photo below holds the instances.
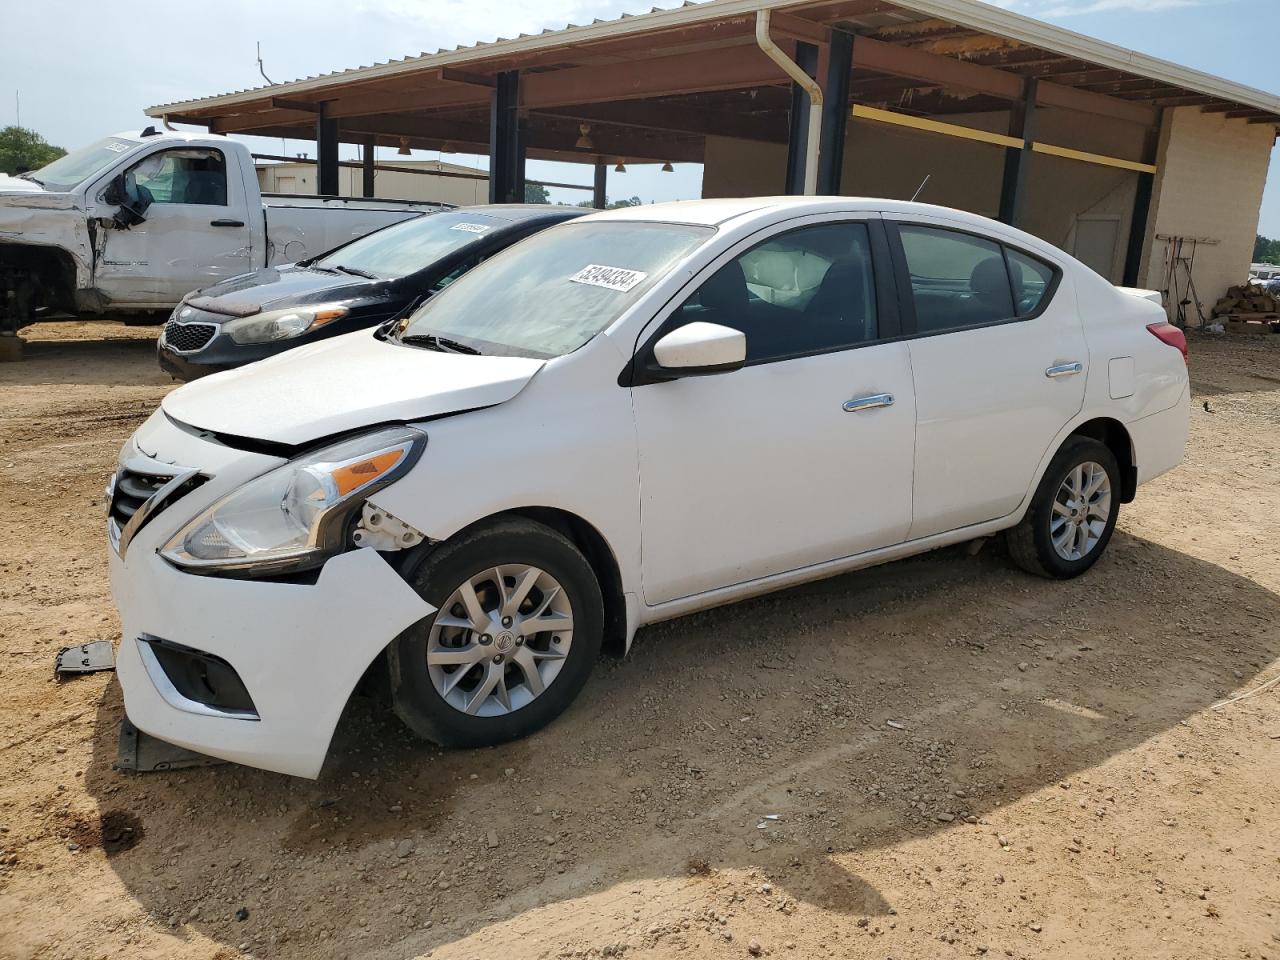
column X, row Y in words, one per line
column 195, row 232
column 804, row 455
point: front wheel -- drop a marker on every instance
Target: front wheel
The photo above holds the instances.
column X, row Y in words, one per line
column 1073, row 512
column 518, row 627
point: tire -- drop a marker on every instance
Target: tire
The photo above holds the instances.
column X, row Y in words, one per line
column 1031, row 542
column 418, row 689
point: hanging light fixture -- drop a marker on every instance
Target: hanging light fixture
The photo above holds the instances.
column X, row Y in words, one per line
column 584, row 141
column 668, row 168
column 621, row 167
column 404, row 147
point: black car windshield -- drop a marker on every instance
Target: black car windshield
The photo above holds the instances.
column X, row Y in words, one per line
column 413, row 245
column 550, row 294
column 72, row 169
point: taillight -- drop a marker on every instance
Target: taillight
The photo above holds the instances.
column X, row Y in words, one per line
column 1168, row 333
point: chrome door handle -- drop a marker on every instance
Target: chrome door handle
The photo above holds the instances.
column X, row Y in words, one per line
column 1064, row 370
column 874, row 402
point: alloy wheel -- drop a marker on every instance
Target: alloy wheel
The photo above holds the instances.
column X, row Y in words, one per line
column 500, row 640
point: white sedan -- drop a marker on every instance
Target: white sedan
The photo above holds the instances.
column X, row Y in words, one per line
column 630, row 417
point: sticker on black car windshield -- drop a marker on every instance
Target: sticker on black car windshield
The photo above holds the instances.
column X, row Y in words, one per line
column 611, row 278
column 471, row 227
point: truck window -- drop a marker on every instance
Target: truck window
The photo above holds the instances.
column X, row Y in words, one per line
column 182, row 176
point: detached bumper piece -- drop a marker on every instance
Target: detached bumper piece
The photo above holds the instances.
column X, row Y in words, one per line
column 194, row 681
column 141, row 753
column 87, row 658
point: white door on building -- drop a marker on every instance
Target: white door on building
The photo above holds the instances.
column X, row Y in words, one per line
column 1097, row 242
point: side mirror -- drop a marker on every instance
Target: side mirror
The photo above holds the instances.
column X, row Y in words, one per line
column 699, row 349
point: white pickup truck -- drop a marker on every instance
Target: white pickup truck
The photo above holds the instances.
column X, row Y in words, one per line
column 130, row 224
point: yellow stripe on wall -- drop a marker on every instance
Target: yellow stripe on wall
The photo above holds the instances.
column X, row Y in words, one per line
column 996, row 139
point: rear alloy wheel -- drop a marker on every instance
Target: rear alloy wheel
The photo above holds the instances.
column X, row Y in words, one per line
column 1073, row 512
column 517, row 629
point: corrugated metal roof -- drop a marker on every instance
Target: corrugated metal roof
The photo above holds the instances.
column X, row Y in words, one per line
column 970, row 14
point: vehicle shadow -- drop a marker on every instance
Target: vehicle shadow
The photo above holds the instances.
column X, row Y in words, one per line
column 673, row 761
column 100, row 361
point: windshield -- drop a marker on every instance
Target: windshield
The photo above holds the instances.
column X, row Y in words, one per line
column 79, row 165
column 410, row 246
column 549, row 295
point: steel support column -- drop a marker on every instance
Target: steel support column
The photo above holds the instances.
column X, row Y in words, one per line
column 598, row 196
column 368, row 160
column 1017, row 161
column 326, row 153
column 506, row 152
column 807, row 58
column 835, row 112
column 1141, row 212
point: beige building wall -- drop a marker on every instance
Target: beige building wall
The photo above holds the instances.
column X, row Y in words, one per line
column 1212, row 173
column 300, row 178
column 882, row 160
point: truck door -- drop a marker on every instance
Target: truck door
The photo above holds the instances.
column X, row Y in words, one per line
column 196, row 230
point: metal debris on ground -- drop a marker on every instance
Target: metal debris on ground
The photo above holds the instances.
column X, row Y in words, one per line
column 142, row 753
column 86, row 658
column 895, row 724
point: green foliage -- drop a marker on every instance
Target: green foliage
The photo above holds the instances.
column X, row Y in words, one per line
column 536, row 193
column 615, row 204
column 1266, row 251
column 21, row 149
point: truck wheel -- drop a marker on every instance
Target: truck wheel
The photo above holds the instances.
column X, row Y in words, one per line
column 518, row 626
column 1073, row 512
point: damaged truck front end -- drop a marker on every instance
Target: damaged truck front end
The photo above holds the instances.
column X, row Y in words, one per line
column 46, row 259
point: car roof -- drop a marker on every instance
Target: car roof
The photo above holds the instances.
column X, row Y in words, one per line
column 719, row 211
column 523, row 212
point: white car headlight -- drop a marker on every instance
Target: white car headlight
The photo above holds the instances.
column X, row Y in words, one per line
column 282, row 324
column 299, row 514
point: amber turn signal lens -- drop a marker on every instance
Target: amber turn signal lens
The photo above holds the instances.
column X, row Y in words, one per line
column 355, row 475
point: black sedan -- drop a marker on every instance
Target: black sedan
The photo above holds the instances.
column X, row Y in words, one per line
column 360, row 284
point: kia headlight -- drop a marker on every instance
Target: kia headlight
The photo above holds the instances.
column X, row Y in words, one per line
column 298, row 515
column 282, row 324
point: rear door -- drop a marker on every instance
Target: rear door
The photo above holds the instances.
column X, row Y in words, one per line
column 196, row 230
column 999, row 361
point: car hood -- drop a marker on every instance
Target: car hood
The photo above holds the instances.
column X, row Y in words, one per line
column 278, row 286
column 10, row 184
column 342, row 384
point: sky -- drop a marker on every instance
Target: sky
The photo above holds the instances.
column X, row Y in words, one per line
column 79, row 69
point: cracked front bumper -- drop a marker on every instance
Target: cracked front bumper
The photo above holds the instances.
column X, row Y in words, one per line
column 299, row 649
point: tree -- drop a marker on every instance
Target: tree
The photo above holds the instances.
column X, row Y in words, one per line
column 615, row 204
column 536, row 193
column 23, row 149
column 1266, row 251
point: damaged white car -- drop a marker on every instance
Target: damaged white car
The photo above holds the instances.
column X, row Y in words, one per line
column 629, row 417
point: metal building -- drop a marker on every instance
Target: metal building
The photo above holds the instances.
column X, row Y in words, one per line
column 1124, row 159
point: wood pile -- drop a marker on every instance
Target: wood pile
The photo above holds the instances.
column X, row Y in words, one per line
column 1248, row 303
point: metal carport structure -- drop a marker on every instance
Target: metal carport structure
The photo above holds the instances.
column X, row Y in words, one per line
column 658, row 87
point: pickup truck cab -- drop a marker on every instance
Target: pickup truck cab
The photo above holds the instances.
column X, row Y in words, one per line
column 130, row 224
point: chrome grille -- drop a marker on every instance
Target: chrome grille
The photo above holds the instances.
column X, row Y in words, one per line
column 133, row 490
column 188, row 337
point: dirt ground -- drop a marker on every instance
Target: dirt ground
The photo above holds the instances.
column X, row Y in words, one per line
column 1055, row 781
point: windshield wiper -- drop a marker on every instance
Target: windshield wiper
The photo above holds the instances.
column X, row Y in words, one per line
column 27, row 176
column 356, row 272
column 443, row 344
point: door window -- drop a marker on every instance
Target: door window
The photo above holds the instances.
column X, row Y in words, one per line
column 1032, row 281
column 807, row 291
column 195, row 176
column 957, row 280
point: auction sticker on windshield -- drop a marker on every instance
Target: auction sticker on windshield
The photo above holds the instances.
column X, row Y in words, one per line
column 471, row 227
column 611, row 278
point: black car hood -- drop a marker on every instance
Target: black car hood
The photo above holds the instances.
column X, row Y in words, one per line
column 288, row 286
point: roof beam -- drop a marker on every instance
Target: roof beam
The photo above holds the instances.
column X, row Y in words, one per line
column 769, row 127
column 725, row 69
